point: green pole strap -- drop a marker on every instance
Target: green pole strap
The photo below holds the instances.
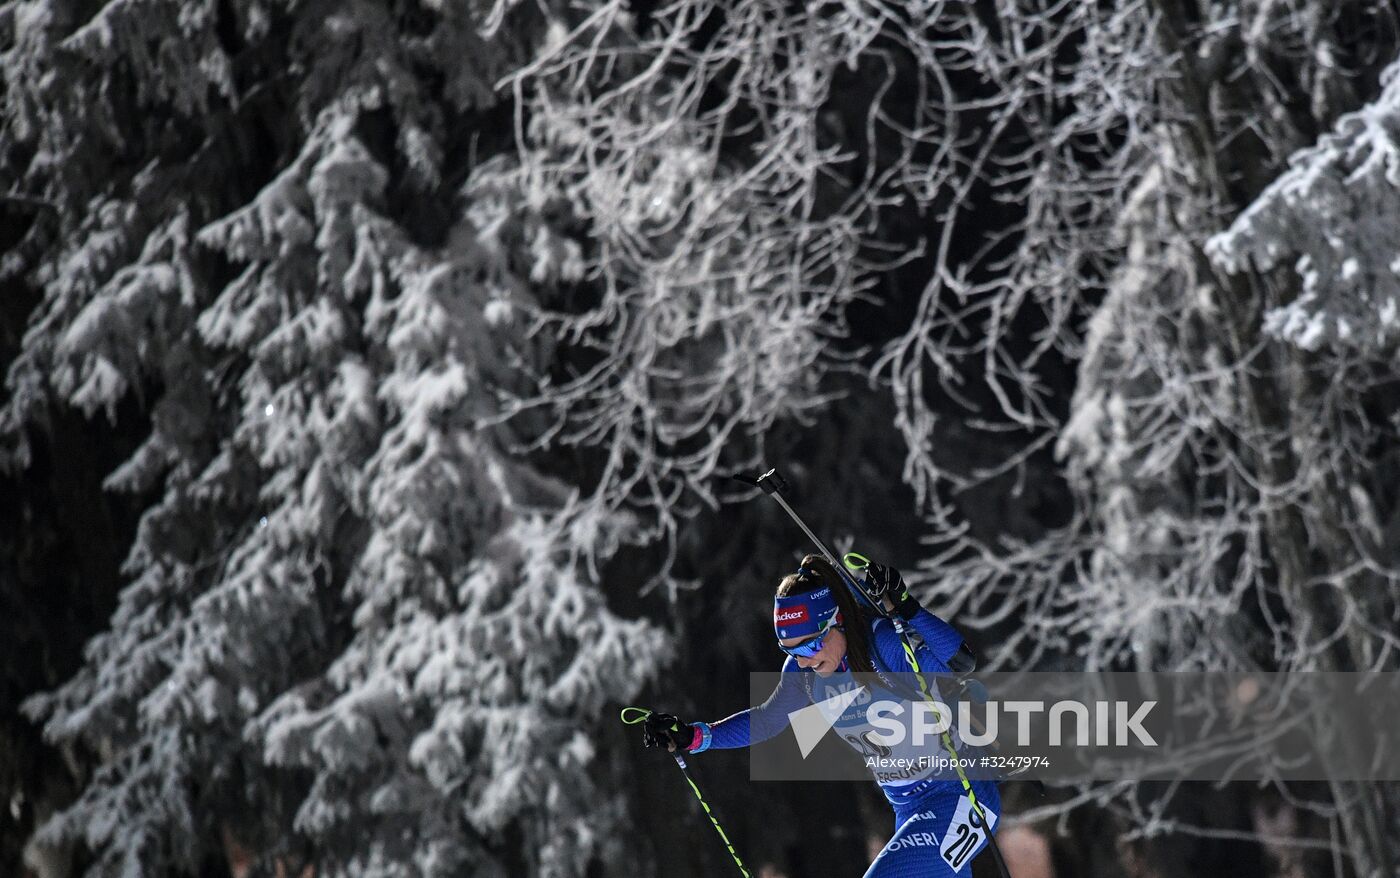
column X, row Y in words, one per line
column 856, row 561
column 634, row 715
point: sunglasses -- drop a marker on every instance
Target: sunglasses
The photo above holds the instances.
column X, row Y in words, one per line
column 809, row 648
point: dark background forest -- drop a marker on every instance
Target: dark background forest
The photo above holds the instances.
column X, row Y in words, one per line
column 376, row 374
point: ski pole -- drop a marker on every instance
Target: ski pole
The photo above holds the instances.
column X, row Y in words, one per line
column 774, row 485
column 640, row 715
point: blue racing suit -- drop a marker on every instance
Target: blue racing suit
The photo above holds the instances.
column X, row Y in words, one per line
column 936, row 832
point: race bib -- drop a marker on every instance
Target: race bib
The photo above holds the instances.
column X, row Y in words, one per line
column 966, row 833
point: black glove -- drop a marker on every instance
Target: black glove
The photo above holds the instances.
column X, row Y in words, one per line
column 885, row 582
column 667, row 731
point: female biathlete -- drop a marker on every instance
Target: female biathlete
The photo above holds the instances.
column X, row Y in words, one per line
column 828, row 636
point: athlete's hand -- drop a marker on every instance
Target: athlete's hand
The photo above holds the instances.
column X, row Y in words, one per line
column 886, row 585
column 666, row 730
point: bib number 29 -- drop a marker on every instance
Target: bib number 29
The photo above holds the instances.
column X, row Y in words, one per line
column 966, row 833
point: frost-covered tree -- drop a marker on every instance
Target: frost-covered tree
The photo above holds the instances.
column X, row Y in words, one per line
column 365, row 622
column 1234, row 475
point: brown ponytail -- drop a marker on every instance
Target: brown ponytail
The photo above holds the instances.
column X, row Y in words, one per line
column 854, row 621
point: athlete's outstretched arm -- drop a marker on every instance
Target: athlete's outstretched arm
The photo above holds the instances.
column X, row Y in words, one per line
column 757, row 723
